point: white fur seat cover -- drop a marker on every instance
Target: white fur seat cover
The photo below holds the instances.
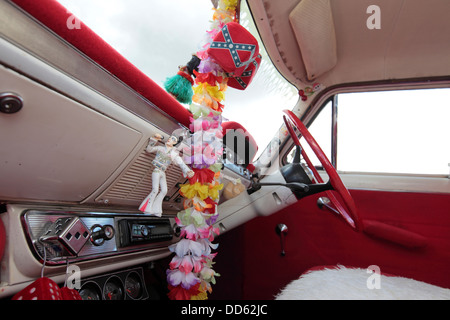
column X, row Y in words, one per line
column 342, row 283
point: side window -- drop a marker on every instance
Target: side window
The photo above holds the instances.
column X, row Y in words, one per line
column 397, row 132
column 394, row 131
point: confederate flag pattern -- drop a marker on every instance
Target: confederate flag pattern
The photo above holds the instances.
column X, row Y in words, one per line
column 234, row 49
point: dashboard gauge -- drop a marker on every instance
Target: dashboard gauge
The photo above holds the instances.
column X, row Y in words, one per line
column 133, row 285
column 113, row 289
column 90, row 291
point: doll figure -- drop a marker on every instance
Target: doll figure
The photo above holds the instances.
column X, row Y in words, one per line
column 165, row 155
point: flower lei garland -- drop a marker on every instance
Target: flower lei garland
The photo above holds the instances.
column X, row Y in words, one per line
column 190, row 274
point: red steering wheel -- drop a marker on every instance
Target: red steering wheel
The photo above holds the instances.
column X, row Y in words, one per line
column 344, row 204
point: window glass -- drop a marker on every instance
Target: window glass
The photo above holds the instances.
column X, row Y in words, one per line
column 394, row 131
column 404, row 132
column 158, row 36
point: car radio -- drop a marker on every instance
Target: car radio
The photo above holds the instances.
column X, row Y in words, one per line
column 140, row 231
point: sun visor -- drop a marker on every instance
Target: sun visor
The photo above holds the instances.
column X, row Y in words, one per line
column 313, row 26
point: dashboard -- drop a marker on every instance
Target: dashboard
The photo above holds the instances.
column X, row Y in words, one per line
column 103, row 242
column 77, row 169
column 44, row 241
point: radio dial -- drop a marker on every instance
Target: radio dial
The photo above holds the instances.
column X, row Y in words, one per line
column 144, row 231
column 100, row 234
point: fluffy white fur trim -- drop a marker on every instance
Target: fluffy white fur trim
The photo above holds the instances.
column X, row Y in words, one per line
column 352, row 284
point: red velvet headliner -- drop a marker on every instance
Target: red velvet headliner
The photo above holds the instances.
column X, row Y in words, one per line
column 53, row 15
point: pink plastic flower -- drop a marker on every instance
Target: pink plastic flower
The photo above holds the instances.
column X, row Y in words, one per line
column 177, row 277
column 186, row 246
column 187, row 263
column 208, row 232
column 190, row 232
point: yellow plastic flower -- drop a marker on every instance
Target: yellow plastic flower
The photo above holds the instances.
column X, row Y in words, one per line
column 194, row 190
column 202, row 292
column 214, row 92
column 200, row 296
column 214, row 190
column 224, row 16
column 228, row 4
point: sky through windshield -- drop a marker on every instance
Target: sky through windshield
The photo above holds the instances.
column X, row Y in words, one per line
column 158, row 36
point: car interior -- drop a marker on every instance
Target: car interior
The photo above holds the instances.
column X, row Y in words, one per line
column 348, row 199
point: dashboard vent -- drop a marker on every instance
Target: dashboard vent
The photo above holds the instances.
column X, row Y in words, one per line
column 135, row 183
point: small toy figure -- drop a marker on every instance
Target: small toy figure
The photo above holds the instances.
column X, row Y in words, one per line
column 304, row 94
column 165, row 155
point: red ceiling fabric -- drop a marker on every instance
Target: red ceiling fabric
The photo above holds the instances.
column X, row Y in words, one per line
column 54, row 16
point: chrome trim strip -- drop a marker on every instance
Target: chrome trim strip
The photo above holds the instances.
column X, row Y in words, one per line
column 334, row 130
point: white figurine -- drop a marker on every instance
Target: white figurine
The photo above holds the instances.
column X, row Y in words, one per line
column 165, row 155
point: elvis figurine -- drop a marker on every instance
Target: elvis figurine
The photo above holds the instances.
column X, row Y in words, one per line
column 165, row 155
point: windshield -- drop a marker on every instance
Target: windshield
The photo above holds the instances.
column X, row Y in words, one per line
column 158, row 36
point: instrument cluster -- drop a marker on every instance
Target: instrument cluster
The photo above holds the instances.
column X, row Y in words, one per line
column 121, row 285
